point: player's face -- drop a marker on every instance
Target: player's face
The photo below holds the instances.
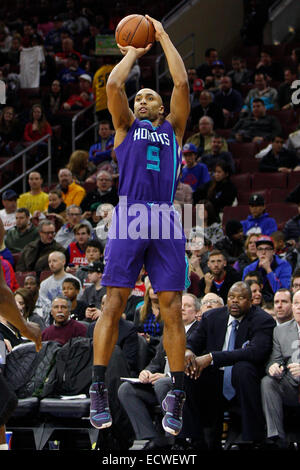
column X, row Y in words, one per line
column 148, row 105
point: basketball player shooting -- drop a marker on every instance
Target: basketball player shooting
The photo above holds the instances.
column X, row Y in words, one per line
column 148, row 149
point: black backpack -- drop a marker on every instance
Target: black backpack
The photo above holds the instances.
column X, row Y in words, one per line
column 74, row 363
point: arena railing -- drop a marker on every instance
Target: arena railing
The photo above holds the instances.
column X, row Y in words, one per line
column 25, row 171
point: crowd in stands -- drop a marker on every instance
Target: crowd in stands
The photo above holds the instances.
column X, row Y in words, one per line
column 242, row 123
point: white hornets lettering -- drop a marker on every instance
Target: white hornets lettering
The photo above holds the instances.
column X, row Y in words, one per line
column 142, row 133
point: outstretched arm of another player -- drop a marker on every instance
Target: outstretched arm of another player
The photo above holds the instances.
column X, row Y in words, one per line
column 180, row 99
column 10, row 311
column 118, row 106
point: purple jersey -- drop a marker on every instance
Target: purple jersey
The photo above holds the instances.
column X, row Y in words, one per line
column 149, row 160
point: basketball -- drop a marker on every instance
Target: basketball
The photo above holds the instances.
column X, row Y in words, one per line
column 135, row 30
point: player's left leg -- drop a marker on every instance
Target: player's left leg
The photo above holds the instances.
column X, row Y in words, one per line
column 174, row 343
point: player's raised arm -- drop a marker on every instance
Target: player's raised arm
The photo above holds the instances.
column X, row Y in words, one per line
column 118, row 106
column 180, row 99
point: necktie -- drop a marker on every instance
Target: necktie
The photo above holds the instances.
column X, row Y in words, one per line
column 228, row 390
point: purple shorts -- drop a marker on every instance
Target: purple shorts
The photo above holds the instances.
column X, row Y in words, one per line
column 145, row 235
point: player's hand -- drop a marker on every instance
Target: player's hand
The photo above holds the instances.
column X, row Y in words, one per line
column 33, row 333
column 159, row 29
column 139, row 52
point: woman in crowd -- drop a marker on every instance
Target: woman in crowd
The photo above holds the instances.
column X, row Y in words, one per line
column 148, row 320
column 11, row 132
column 25, row 302
column 208, row 221
column 249, row 256
column 257, row 297
column 220, row 191
column 38, row 126
column 80, row 166
column 52, row 102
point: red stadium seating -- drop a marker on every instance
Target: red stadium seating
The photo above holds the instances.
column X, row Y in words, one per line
column 269, row 180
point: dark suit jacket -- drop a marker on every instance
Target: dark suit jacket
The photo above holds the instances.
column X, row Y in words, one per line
column 127, row 340
column 158, row 362
column 253, row 341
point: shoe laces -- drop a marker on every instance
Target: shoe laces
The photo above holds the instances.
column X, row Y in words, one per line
column 100, row 398
column 178, row 404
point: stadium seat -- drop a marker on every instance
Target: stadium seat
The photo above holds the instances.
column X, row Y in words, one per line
column 243, row 196
column 242, row 181
column 242, row 149
column 282, row 212
column 44, row 275
column 277, row 194
column 269, row 180
column 250, row 165
column 234, row 212
column 293, row 180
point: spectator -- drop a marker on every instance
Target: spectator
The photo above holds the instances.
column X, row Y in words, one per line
column 262, row 91
column 52, row 102
column 232, row 244
column 72, row 71
column 239, row 74
column 184, row 192
column 52, row 285
column 293, row 142
column 102, row 150
column 205, row 69
column 77, row 101
column 65, row 234
column 256, row 291
column 18, row 237
column 291, row 228
column 192, row 76
column 229, row 99
column 266, row 65
column 34, row 256
column 285, row 90
column 249, row 254
column 25, row 302
column 72, row 192
column 105, row 213
column 75, row 253
column 93, row 294
column 212, row 81
column 64, row 328
column 212, row 391
column 209, row 223
column 283, row 306
column 67, row 48
column 205, row 106
column 35, row 199
column 155, row 383
column 208, row 302
column 42, row 306
column 53, row 40
column 56, row 207
column 8, row 213
column 295, row 281
column 276, row 273
column 220, row 276
column 259, row 220
column 11, row 132
column 285, row 250
column 105, row 193
column 258, row 127
column 38, row 126
column 281, row 384
column 220, row 191
column 80, row 166
column 99, row 89
column 148, row 320
column 217, row 154
column 70, row 289
column 193, row 173
column 279, row 158
column 93, row 252
column 203, row 139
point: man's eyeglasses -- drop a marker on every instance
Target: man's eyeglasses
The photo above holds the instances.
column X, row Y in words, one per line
column 49, row 233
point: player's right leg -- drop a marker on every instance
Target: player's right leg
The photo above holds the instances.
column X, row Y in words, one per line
column 105, row 338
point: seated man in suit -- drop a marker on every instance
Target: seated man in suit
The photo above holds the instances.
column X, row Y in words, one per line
column 281, row 385
column 225, row 360
column 155, row 383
